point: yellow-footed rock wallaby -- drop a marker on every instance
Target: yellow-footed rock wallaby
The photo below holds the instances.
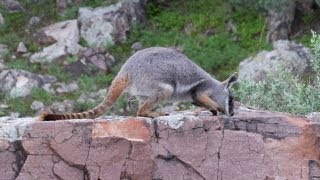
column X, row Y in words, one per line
column 157, row 74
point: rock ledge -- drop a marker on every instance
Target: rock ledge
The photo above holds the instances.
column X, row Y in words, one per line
column 250, row 145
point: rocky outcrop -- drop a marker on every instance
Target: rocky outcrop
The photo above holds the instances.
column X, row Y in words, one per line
column 63, row 38
column 104, row 26
column 250, row 145
column 20, row 83
column 91, row 61
column 285, row 55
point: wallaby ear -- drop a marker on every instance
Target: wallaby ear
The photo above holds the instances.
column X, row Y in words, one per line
column 228, row 82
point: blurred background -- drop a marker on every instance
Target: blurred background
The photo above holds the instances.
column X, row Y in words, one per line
column 63, row 54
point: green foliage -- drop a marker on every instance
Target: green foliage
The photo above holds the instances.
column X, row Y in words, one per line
column 103, row 80
column 14, row 29
column 71, row 59
column 58, row 72
column 20, row 105
column 11, row 39
column 86, row 105
column 283, row 91
column 315, row 44
column 87, row 83
column 92, row 83
column 219, row 53
column 39, row 94
column 5, row 54
column 22, row 64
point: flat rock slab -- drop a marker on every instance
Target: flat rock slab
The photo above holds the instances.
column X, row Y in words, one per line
column 250, row 145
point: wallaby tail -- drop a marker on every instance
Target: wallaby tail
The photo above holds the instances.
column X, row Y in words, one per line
column 116, row 89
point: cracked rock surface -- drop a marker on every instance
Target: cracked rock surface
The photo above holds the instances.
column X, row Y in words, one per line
column 250, row 145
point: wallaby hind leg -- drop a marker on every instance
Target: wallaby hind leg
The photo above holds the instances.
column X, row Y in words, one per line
column 146, row 107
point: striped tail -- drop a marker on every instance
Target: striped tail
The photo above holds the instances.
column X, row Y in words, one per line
column 115, row 91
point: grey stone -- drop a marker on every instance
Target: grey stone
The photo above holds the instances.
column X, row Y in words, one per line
column 314, row 117
column 91, row 61
column 136, row 46
column 12, row 5
column 19, row 83
column 37, row 106
column 62, row 107
column 66, row 35
column 285, row 54
column 34, row 20
column 21, row 48
column 12, row 128
column 65, row 88
column 105, row 26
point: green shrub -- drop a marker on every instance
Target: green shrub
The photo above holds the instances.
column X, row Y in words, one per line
column 282, row 91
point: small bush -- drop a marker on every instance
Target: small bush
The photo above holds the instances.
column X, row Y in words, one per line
column 285, row 92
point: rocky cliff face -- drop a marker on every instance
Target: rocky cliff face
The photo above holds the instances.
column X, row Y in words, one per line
column 250, row 145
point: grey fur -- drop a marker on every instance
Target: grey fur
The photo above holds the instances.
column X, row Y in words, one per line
column 156, row 70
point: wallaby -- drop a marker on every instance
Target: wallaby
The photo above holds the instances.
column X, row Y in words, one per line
column 157, row 74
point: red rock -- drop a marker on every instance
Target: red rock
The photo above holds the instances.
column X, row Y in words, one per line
column 250, row 145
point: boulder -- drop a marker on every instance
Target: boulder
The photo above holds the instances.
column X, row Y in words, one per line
column 250, row 145
column 90, row 61
column 19, row 83
column 104, row 26
column 285, row 55
column 12, row 5
column 63, row 37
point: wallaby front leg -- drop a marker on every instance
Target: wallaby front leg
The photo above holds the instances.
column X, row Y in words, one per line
column 207, row 102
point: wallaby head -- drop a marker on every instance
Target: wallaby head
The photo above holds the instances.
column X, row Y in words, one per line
column 224, row 96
